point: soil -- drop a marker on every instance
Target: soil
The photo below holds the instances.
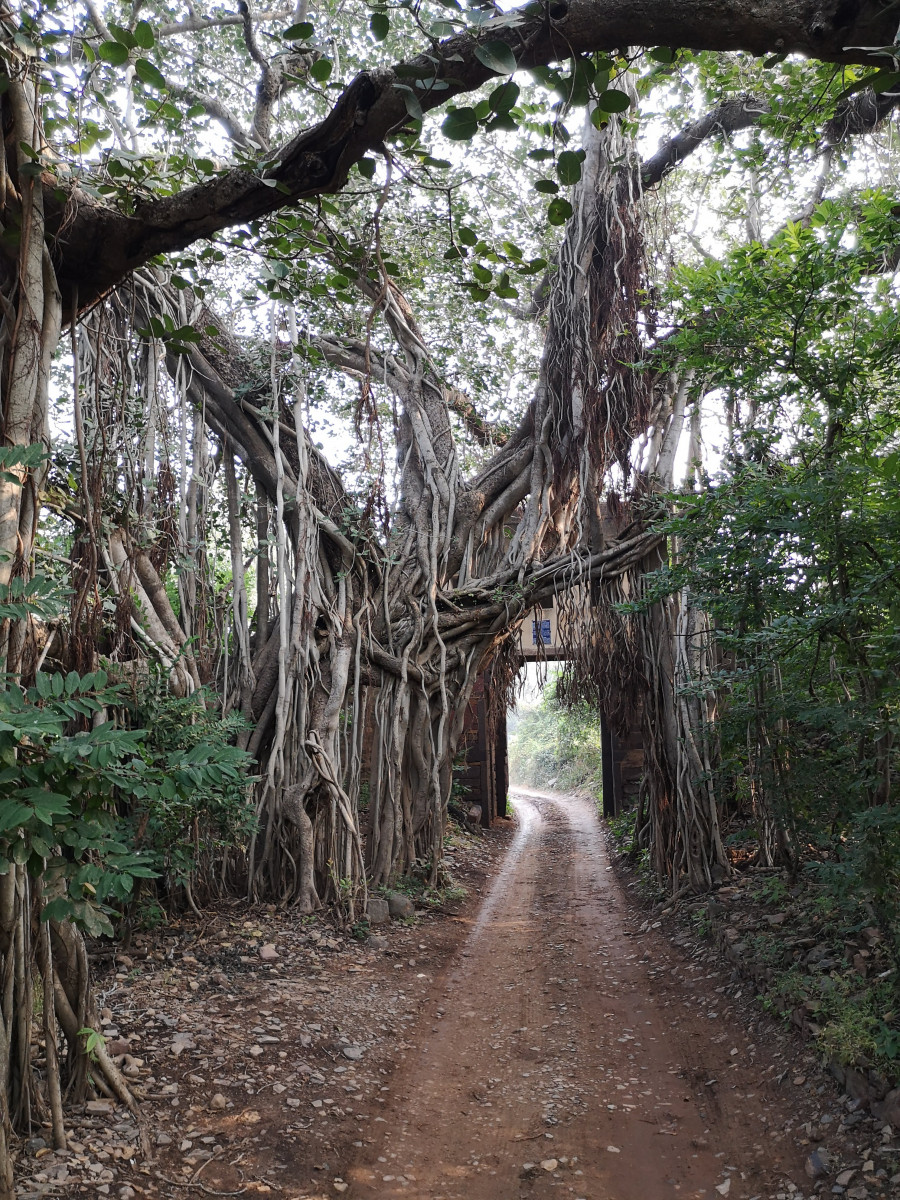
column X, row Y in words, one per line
column 538, row 1038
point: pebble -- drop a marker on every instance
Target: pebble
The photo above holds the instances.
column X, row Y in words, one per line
column 549, row 1164
column 218, row 1102
column 817, row 1164
column 354, row 1053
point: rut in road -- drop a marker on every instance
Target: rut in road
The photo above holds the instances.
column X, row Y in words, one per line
column 560, row 1035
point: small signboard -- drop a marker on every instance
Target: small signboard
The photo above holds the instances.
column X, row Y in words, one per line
column 540, row 632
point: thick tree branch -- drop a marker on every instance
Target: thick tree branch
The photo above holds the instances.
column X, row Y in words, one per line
column 97, row 20
column 98, row 246
column 196, row 24
column 858, row 114
column 219, row 111
column 742, row 112
column 350, row 356
column 854, row 116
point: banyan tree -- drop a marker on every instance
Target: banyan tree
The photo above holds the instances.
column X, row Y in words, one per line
column 358, row 611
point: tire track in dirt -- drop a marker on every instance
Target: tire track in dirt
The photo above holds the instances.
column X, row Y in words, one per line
column 560, row 1035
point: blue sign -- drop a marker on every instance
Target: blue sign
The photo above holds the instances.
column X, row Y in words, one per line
column 540, row 632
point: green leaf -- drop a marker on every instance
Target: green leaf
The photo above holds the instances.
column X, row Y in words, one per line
column 497, row 57
column 504, row 97
column 301, row 32
column 568, row 167
column 547, row 76
column 24, row 42
column 467, row 236
column 662, row 54
column 48, row 806
column 613, row 101
column 144, row 35
column 113, row 53
column 92, row 919
column 411, row 100
column 379, row 26
column 13, row 814
column 548, row 186
column 123, row 35
column 57, row 909
column 558, row 211
column 460, row 125
column 366, row 167
column 321, row 70
column 885, row 82
column 149, row 74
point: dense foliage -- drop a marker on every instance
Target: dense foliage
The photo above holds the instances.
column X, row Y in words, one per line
column 552, row 746
column 93, row 806
column 791, row 546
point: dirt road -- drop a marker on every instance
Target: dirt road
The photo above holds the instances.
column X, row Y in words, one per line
column 565, row 1054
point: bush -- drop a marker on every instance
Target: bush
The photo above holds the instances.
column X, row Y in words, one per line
column 93, row 807
column 201, row 806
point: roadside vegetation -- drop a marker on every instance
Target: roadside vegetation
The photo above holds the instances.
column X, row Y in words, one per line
column 554, row 746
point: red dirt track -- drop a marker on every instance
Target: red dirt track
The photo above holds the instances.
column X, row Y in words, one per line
column 560, row 1034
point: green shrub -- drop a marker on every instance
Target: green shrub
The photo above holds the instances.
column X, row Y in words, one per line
column 93, row 807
